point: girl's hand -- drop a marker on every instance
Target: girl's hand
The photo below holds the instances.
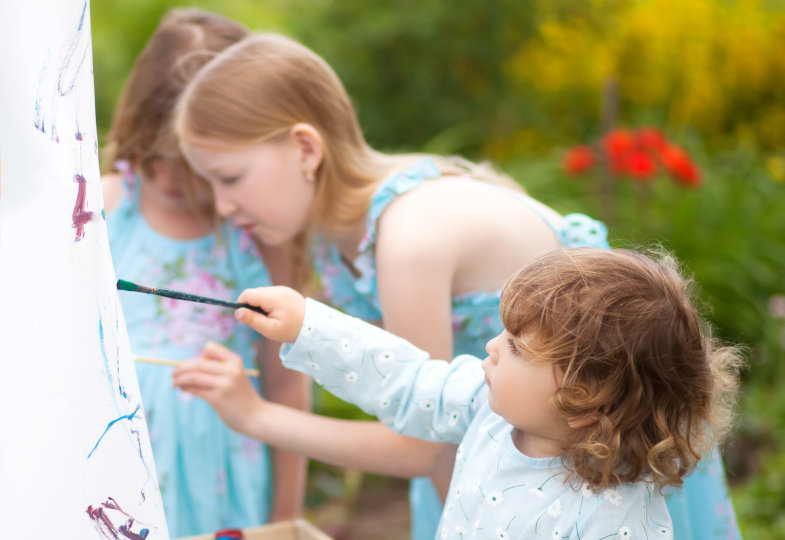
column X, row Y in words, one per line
column 218, row 377
column 285, row 309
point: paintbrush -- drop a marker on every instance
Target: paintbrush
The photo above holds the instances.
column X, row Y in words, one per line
column 163, row 362
column 123, row 285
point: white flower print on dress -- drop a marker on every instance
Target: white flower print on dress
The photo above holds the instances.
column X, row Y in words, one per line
column 537, row 492
column 385, row 357
column 383, row 404
column 625, row 533
column 453, row 418
column 554, row 510
column 346, row 345
column 586, row 491
column 556, row 533
column 313, row 366
column 461, row 531
column 425, row 405
column 612, row 496
column 307, row 329
column 351, row 376
column 495, row 498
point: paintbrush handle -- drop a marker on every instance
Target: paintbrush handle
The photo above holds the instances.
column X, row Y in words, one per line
column 175, row 363
column 178, row 295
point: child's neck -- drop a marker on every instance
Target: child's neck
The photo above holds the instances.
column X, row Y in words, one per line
column 183, row 223
column 534, row 446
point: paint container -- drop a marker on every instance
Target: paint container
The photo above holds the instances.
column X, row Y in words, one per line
column 229, row 534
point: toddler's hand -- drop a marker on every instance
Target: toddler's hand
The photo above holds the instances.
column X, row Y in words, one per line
column 218, row 377
column 285, row 309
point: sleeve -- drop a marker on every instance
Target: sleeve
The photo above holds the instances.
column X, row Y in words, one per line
column 387, row 376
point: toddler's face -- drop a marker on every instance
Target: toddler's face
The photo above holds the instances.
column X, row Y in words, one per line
column 521, row 390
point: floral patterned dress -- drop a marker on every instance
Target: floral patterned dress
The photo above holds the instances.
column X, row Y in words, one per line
column 475, row 315
column 210, row 477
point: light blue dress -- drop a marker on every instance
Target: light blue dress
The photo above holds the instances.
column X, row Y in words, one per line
column 210, row 477
column 496, row 492
column 475, row 315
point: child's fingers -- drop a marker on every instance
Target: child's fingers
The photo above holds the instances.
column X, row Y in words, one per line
column 257, row 321
column 197, row 380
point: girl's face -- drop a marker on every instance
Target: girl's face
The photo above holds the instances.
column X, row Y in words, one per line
column 166, row 186
column 521, row 390
column 263, row 187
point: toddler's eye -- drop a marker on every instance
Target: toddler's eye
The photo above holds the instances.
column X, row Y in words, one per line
column 513, row 349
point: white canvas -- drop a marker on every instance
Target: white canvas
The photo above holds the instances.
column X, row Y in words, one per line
column 75, row 457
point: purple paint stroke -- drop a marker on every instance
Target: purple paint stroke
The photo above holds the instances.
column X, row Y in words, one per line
column 129, row 417
column 80, row 216
column 102, row 522
column 69, row 71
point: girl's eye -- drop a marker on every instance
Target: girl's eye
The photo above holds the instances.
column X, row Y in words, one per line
column 513, row 349
column 228, row 181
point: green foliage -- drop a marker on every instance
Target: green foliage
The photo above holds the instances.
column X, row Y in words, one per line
column 419, row 70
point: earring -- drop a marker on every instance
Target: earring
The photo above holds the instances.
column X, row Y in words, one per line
column 309, row 177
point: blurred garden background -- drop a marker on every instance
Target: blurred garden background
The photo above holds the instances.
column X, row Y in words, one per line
column 665, row 118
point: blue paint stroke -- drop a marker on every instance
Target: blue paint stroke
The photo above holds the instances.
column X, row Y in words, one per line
column 120, row 388
column 128, row 417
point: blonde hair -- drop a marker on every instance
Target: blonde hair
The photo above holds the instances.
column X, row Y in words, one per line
column 183, row 42
column 637, row 360
column 258, row 89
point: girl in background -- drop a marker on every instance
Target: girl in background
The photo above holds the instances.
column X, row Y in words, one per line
column 163, row 232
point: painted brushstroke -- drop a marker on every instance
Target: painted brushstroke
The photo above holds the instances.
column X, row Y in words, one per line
column 80, row 215
column 57, row 85
column 100, row 516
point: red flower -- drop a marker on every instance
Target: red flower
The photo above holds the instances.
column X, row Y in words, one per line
column 650, row 138
column 680, row 166
column 618, row 143
column 578, row 159
column 640, row 165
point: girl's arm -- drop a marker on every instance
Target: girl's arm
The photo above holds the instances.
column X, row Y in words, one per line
column 289, row 388
column 218, row 377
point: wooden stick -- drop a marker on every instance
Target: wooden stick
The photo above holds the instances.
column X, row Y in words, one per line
column 175, row 363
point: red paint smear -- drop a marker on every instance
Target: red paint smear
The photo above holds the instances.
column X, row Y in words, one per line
column 105, row 525
column 80, row 217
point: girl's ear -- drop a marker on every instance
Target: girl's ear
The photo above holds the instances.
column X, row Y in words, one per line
column 309, row 142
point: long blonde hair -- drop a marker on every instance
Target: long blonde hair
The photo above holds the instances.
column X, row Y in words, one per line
column 257, row 90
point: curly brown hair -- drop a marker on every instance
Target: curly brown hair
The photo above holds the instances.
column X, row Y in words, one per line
column 645, row 387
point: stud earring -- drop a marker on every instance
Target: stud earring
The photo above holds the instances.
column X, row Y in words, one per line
column 309, row 177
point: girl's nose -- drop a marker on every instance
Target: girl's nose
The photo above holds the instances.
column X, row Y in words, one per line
column 224, row 206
